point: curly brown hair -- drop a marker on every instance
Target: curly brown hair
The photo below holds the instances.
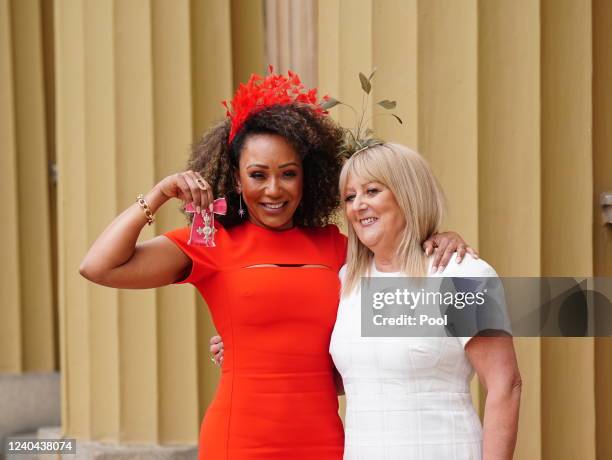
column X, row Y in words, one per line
column 317, row 139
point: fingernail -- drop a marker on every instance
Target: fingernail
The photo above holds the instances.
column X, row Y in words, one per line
column 458, row 259
column 440, row 268
column 210, row 207
column 427, row 251
column 434, row 268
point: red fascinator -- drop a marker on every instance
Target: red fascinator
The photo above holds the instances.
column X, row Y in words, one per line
column 260, row 92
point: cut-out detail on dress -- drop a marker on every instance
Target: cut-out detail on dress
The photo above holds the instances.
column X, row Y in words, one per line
column 289, row 266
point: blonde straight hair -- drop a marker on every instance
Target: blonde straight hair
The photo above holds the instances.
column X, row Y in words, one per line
column 419, row 196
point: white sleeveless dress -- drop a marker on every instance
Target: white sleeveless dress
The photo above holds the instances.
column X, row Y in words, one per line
column 406, row 398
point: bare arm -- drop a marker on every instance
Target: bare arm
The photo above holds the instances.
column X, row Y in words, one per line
column 495, row 363
column 117, row 260
column 216, row 349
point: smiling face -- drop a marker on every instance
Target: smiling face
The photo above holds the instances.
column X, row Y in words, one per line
column 271, row 178
column 373, row 212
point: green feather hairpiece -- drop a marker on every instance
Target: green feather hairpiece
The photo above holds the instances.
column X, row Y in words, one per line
column 360, row 138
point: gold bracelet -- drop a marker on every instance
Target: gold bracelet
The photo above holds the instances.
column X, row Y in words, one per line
column 145, row 207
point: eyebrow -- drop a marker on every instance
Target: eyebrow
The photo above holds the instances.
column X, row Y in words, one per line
column 257, row 165
column 363, row 185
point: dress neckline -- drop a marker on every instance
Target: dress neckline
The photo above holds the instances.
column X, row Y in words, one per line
column 248, row 223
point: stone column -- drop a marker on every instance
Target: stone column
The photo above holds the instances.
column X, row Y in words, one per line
column 137, row 82
column 602, row 182
column 291, row 37
column 509, row 166
column 567, row 190
column 29, row 383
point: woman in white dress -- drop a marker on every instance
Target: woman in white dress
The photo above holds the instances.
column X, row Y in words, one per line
column 408, row 398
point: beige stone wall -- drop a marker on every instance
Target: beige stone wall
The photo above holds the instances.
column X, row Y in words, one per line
column 509, row 100
column 27, row 340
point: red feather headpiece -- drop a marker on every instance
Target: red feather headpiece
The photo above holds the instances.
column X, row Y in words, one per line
column 260, row 93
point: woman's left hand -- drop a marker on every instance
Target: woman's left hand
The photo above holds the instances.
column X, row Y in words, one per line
column 216, row 349
column 444, row 245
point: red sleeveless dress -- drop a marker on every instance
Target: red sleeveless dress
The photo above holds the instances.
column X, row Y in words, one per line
column 276, row 398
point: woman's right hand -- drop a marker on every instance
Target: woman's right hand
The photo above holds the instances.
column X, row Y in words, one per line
column 117, row 259
column 188, row 186
column 216, row 349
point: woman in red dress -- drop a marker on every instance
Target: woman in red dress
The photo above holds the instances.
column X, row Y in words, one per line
column 271, row 279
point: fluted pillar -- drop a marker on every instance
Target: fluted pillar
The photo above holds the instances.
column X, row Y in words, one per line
column 509, row 171
column 137, row 83
column 29, row 382
column 291, row 38
column 10, row 328
column 567, row 153
column 448, row 105
column 27, row 339
column 345, row 49
column 248, row 38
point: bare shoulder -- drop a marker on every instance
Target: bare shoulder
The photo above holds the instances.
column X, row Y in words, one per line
column 163, row 246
